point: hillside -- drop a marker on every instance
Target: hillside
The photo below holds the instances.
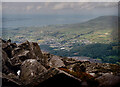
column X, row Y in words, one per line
column 94, row 30
column 102, row 22
column 66, row 39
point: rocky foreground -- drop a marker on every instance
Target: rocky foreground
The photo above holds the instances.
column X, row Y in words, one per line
column 25, row 65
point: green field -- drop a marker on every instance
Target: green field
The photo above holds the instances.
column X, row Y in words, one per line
column 69, row 37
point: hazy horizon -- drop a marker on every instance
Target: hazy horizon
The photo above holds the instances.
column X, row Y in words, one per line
column 21, row 14
column 60, row 8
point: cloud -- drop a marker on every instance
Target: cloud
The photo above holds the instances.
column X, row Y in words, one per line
column 60, row 0
column 0, row 7
column 97, row 5
column 47, row 4
column 29, row 8
column 56, row 7
column 59, row 6
column 38, row 7
column 82, row 5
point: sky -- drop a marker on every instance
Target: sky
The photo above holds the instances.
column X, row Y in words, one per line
column 60, row 8
column 59, row 0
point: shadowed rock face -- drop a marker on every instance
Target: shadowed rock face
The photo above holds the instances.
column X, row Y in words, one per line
column 25, row 65
column 6, row 63
column 60, row 80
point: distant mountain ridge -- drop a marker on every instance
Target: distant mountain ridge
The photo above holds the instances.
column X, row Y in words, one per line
column 101, row 22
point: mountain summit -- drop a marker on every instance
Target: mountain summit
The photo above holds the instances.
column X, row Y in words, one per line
column 26, row 65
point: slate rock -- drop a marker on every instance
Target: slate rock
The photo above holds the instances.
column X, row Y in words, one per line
column 79, row 68
column 30, row 69
column 8, row 47
column 34, row 51
column 55, row 61
column 109, row 80
column 6, row 64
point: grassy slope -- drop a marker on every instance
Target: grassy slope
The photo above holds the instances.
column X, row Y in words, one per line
column 98, row 30
column 95, row 30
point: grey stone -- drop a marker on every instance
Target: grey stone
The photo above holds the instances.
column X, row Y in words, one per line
column 30, row 69
column 109, row 80
column 55, row 61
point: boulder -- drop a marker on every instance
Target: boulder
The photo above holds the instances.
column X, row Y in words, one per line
column 17, row 51
column 26, row 55
column 55, row 78
column 109, row 80
column 27, row 50
column 30, row 69
column 46, row 56
column 6, row 64
column 25, row 45
column 55, row 61
column 20, row 55
column 79, row 68
column 8, row 47
column 34, row 51
column 35, row 48
column 10, row 80
column 16, row 61
column 58, row 78
column 32, row 47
